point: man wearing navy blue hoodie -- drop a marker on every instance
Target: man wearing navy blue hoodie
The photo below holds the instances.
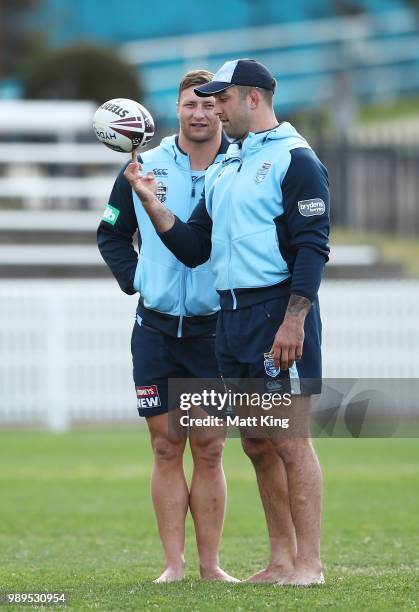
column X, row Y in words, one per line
column 174, row 331
column 263, row 219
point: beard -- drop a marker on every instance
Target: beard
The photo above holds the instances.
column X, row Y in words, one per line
column 235, row 131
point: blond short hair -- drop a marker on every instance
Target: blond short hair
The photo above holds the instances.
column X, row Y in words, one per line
column 193, row 78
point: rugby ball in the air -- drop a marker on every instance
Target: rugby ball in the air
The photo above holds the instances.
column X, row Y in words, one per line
column 123, row 125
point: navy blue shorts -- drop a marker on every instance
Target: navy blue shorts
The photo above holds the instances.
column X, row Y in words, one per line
column 244, row 336
column 156, row 357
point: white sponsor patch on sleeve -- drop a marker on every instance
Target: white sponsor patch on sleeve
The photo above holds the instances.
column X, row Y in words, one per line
column 310, row 208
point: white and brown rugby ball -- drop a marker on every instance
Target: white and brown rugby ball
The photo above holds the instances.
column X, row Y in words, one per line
column 123, row 125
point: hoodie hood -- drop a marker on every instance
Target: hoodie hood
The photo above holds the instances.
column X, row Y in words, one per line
column 171, row 146
column 284, row 131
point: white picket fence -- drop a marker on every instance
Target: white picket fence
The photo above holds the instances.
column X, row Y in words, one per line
column 65, row 345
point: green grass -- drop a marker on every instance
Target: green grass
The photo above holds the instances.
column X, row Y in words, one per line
column 76, row 515
column 391, row 248
column 404, row 108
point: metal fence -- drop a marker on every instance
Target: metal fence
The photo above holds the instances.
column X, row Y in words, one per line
column 65, row 345
column 374, row 188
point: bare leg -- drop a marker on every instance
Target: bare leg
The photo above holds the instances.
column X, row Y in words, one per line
column 170, row 495
column 273, row 489
column 305, row 495
column 208, row 502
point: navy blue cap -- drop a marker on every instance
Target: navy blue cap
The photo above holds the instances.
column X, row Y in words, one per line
column 238, row 72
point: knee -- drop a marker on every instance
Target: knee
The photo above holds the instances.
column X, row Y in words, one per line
column 167, row 450
column 293, row 450
column 207, row 452
column 257, row 449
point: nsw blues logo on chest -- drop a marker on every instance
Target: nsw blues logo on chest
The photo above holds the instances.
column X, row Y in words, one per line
column 161, row 192
column 259, row 202
column 162, row 175
column 262, row 172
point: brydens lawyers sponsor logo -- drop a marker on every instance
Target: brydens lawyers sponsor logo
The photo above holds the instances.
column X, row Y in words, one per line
column 148, row 397
column 310, row 208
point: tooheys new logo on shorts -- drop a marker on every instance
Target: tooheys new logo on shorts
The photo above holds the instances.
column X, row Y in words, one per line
column 310, row 208
column 110, row 215
column 148, row 397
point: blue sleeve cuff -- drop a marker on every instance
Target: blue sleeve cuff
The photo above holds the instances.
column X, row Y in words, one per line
column 307, row 273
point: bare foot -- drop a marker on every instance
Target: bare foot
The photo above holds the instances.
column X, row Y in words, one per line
column 216, row 573
column 304, row 576
column 272, row 573
column 170, row 574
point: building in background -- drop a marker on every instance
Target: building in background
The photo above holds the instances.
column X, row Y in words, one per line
column 327, row 55
column 69, row 20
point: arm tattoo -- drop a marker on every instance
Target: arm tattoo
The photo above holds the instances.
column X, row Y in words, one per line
column 298, row 305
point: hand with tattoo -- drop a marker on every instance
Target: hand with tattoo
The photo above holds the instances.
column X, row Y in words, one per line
column 289, row 339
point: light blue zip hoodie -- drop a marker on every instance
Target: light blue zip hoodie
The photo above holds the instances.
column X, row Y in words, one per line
column 264, row 220
column 174, row 299
column 166, row 285
column 243, row 198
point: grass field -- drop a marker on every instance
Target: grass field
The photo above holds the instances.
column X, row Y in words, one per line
column 390, row 247
column 76, row 516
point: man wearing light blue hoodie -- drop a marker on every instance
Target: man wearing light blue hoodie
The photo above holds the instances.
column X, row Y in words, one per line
column 263, row 219
column 173, row 335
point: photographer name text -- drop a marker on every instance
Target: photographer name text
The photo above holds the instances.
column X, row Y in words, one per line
column 234, row 421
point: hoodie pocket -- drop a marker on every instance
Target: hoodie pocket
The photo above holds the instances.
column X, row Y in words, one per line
column 159, row 286
column 201, row 296
column 257, row 261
